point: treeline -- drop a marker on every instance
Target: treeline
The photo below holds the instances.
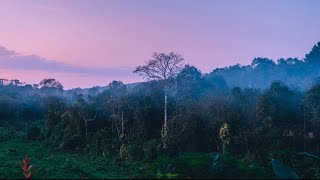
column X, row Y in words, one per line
column 127, row 122
column 297, row 73
column 184, row 111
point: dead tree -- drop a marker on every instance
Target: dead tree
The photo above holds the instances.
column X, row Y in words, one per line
column 4, row 81
column 162, row 67
column 87, row 120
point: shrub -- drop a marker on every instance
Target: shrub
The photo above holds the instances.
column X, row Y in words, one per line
column 226, row 166
column 159, row 175
column 33, row 133
column 152, row 149
column 130, row 152
column 102, row 143
column 187, row 165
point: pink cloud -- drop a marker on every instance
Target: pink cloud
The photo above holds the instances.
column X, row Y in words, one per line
column 32, row 68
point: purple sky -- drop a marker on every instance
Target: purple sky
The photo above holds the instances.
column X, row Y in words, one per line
column 87, row 43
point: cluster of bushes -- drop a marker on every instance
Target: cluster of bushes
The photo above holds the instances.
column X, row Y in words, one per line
column 209, row 165
column 125, row 124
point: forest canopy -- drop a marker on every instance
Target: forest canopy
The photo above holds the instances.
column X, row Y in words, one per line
column 254, row 112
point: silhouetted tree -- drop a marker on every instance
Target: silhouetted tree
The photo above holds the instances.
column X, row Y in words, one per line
column 162, row 67
column 51, row 83
column 314, row 55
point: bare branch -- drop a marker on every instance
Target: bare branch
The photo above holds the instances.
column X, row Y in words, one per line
column 161, row 67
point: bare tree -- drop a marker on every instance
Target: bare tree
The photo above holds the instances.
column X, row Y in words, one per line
column 4, row 81
column 161, row 67
column 15, row 82
column 86, row 120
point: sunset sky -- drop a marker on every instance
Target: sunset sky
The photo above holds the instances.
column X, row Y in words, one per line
column 84, row 43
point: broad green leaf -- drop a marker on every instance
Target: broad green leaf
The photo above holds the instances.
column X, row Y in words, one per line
column 282, row 171
column 310, row 155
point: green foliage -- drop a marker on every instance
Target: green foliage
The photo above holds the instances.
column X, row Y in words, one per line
column 312, row 105
column 34, row 133
column 314, row 55
column 123, row 123
column 305, row 164
column 309, row 155
column 159, row 175
column 9, row 133
column 181, row 132
column 131, row 152
column 282, row 171
column 194, row 165
column 101, row 143
column 152, row 149
column 226, row 166
column 61, row 165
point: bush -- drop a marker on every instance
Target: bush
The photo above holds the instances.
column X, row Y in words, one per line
column 159, row 175
column 33, row 133
column 10, row 133
column 303, row 164
column 192, row 165
column 74, row 142
column 196, row 165
column 152, row 149
column 187, row 165
column 130, row 152
column 226, row 166
column 102, row 143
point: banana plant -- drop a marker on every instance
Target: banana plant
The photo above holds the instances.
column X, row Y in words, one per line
column 284, row 172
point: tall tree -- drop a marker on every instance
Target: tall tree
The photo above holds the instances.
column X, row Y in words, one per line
column 15, row 82
column 314, row 55
column 162, row 67
column 51, row 83
column 277, row 113
column 118, row 92
column 4, row 81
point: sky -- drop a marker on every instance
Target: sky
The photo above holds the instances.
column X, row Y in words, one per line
column 85, row 43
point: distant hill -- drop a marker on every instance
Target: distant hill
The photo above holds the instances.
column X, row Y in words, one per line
column 296, row 73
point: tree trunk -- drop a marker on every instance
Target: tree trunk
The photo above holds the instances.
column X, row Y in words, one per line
column 122, row 124
column 164, row 128
column 304, row 130
column 86, row 125
column 165, row 107
column 112, row 121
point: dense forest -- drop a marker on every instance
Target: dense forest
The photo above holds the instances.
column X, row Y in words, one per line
column 255, row 121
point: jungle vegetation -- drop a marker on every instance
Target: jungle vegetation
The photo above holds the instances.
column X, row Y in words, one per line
column 179, row 123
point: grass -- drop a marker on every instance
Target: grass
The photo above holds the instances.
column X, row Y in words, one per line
column 186, row 165
column 54, row 164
